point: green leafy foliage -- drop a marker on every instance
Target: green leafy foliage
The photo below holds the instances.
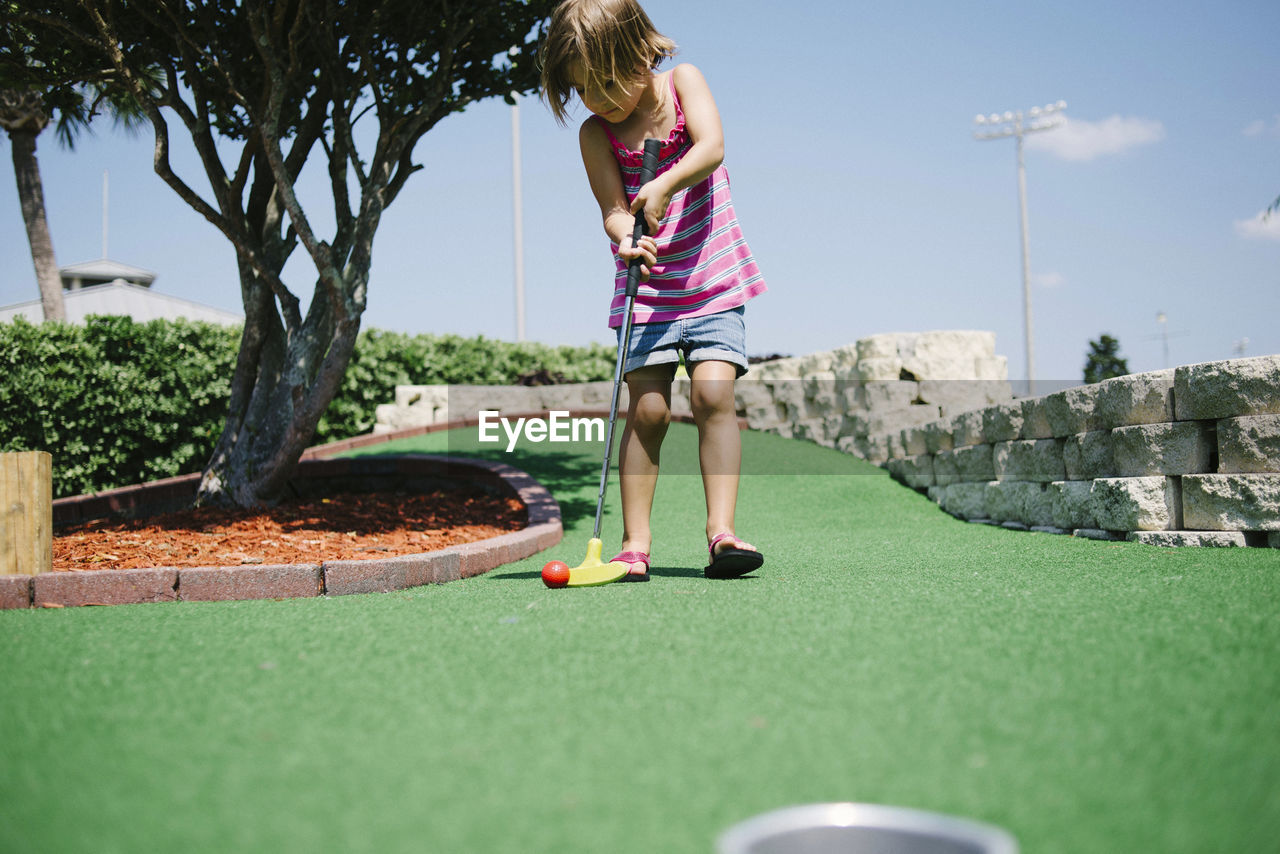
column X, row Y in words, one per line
column 1103, row 361
column 115, row 401
column 119, row 402
column 383, row 360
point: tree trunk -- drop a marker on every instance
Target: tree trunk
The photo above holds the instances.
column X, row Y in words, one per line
column 26, row 169
column 260, row 447
column 283, row 382
column 289, row 367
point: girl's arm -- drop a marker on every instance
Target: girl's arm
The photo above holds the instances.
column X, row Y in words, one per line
column 606, row 185
column 702, row 120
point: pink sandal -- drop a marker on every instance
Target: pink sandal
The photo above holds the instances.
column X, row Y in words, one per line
column 731, row 562
column 633, row 557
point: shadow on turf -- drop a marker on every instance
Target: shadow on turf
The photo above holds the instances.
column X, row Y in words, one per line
column 654, row 572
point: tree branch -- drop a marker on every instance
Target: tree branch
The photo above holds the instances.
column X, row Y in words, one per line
column 268, row 124
column 109, row 44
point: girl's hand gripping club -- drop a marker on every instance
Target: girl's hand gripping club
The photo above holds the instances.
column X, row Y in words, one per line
column 648, row 171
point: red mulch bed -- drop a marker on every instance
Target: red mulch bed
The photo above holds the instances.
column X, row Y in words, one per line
column 339, row 527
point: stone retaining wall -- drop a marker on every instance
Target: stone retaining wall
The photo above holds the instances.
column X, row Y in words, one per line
column 424, row 405
column 858, row 397
column 1188, row 456
column 854, row 397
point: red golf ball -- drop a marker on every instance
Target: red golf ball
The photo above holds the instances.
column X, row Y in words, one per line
column 555, row 573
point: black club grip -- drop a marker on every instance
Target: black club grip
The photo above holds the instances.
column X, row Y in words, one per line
column 648, row 171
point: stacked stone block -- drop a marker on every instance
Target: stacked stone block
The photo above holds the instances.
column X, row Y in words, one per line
column 1189, row 456
column 859, row 398
column 423, row 405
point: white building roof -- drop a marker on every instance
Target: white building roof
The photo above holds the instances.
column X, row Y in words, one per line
column 122, row 298
column 106, row 270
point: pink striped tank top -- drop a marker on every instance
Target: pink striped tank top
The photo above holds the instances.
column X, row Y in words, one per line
column 704, row 265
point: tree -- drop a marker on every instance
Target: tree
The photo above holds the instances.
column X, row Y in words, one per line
column 24, row 116
column 69, row 96
column 260, row 87
column 1103, row 361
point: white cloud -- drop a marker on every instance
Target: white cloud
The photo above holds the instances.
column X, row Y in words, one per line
column 1049, row 280
column 1079, row 139
column 1258, row 127
column 1261, row 227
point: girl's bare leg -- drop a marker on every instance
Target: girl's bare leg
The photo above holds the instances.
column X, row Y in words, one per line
column 719, row 445
column 648, row 414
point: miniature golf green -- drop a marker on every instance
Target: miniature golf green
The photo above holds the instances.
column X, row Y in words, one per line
column 1088, row 696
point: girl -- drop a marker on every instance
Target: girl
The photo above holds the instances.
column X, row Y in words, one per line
column 698, row 269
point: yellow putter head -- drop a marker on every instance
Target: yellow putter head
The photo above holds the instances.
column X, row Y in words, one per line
column 592, row 570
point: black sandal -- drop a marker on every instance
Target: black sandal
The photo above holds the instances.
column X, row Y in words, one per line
column 733, row 562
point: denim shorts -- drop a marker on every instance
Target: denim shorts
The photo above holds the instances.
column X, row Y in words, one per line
column 721, row 337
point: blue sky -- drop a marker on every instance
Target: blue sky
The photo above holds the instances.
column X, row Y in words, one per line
column 867, row 202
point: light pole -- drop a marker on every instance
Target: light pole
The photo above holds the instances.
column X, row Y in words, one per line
column 518, row 214
column 106, row 188
column 1011, row 124
column 1163, row 320
column 1165, row 335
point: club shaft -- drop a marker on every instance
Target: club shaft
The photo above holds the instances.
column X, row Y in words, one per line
column 613, row 412
column 648, row 170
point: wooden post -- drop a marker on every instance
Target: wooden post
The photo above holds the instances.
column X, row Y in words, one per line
column 26, row 513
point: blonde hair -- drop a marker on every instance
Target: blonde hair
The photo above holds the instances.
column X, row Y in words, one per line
column 612, row 39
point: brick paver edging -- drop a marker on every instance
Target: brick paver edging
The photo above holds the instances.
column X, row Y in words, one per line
column 543, row 529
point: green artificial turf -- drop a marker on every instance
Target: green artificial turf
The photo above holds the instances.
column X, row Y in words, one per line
column 1087, row 696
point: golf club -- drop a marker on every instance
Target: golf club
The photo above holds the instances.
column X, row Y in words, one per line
column 593, row 570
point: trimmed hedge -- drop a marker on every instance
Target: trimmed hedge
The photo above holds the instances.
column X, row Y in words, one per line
column 384, row 360
column 119, row 402
column 116, row 402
